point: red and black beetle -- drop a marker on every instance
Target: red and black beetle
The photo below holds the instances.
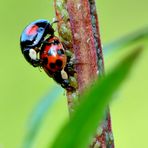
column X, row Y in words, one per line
column 42, row 48
column 32, row 38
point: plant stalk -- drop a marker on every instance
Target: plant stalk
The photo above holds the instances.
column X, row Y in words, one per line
column 78, row 29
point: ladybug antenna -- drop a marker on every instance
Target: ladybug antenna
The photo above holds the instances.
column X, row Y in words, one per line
column 46, row 42
column 54, row 20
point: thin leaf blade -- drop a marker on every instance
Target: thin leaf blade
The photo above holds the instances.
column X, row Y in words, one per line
column 38, row 115
column 127, row 40
column 77, row 133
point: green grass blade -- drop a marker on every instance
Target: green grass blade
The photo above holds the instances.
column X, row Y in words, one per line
column 126, row 40
column 39, row 114
column 84, row 122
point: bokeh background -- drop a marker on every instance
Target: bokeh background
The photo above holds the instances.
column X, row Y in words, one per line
column 23, row 87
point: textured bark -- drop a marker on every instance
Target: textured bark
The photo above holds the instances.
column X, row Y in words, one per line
column 83, row 42
column 79, row 32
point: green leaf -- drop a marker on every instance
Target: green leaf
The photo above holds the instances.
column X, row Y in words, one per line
column 39, row 114
column 84, row 122
column 126, row 40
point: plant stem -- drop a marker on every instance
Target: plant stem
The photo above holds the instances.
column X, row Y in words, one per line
column 79, row 31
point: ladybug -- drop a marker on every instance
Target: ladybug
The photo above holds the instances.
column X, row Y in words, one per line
column 41, row 48
column 54, row 60
column 32, row 38
column 53, row 55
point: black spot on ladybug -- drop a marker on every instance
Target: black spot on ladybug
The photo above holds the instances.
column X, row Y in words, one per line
column 52, row 65
column 60, row 51
column 56, row 42
column 59, row 63
column 45, row 61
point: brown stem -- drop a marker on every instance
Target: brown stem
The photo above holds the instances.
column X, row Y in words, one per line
column 79, row 32
column 83, row 42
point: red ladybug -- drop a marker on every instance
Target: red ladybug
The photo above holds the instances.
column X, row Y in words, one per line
column 54, row 60
column 53, row 55
column 31, row 39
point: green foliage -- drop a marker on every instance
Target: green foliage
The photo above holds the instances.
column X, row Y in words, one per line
column 38, row 116
column 129, row 39
column 41, row 110
column 22, row 86
column 77, row 132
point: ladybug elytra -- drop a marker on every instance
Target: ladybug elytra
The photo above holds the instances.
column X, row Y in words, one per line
column 31, row 39
column 53, row 55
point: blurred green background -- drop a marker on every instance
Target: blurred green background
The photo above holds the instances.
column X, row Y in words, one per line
column 23, row 87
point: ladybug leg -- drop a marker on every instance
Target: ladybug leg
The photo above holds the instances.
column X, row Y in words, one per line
column 70, row 69
column 36, row 63
column 66, row 84
column 61, row 78
column 54, row 20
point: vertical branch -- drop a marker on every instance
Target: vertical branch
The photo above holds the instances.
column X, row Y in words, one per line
column 79, row 31
column 83, row 42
